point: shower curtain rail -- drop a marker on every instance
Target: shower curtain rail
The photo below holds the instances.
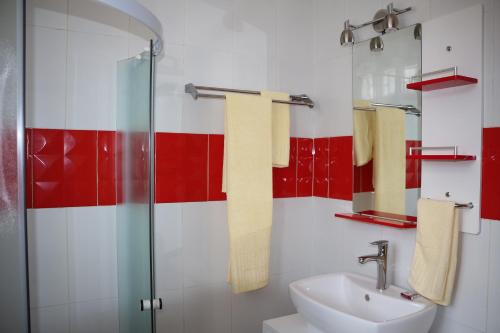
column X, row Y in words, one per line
column 193, row 90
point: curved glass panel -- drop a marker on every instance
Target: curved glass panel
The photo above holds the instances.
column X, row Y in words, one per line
column 134, row 193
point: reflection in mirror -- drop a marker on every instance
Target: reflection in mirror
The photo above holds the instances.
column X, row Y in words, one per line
column 386, row 122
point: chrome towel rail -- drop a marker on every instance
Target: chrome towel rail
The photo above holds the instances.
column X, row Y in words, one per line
column 454, row 148
column 445, row 70
column 409, row 109
column 193, row 90
column 469, row 205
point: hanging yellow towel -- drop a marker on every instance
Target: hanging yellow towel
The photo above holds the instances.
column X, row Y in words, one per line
column 435, row 258
column 248, row 184
column 281, row 129
column 363, row 133
column 389, row 174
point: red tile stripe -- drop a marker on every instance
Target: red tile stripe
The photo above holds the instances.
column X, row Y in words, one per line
column 66, row 168
column 490, row 197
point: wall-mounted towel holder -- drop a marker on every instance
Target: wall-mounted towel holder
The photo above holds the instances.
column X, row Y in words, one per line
column 192, row 89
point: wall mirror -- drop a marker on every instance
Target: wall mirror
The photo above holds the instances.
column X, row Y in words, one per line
column 386, row 123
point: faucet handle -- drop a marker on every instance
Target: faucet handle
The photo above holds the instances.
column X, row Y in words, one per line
column 382, row 245
column 380, row 242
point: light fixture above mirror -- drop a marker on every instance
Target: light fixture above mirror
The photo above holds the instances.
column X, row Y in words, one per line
column 385, row 20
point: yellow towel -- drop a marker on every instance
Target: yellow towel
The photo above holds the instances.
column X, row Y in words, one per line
column 389, row 174
column 363, row 133
column 248, row 184
column 435, row 258
column 281, row 129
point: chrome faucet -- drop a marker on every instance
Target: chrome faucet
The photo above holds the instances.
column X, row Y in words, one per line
column 381, row 259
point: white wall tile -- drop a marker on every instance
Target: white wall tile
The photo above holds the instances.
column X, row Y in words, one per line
column 48, row 257
column 328, row 235
column 210, row 24
column 205, row 243
column 46, row 77
column 444, row 324
column 93, row 17
column 172, row 15
column 168, row 249
column 92, row 253
column 333, row 93
column 96, row 316
column 92, row 63
column 255, row 27
column 254, row 72
column 171, row 318
column 207, row 309
column 291, row 244
column 329, row 17
column 470, row 299
column 169, row 90
column 493, row 324
column 50, row 319
column 47, row 13
column 249, row 310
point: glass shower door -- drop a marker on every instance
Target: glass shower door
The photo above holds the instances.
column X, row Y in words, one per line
column 14, row 313
column 134, row 194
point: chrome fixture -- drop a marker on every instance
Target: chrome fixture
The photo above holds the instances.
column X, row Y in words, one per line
column 409, row 109
column 347, row 36
column 391, row 22
column 385, row 20
column 417, row 32
column 191, row 89
column 381, row 259
column 439, row 71
column 376, row 44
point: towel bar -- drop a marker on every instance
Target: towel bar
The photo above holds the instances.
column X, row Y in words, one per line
column 469, row 205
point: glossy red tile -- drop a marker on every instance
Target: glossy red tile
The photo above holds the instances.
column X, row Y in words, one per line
column 79, row 185
column 48, row 168
column 363, row 178
column 119, row 142
column 305, row 165
column 285, row 179
column 341, row 168
column 321, row 164
column 490, row 208
column 106, row 168
column 215, row 163
column 413, row 167
column 136, row 155
column 181, row 167
column 29, row 168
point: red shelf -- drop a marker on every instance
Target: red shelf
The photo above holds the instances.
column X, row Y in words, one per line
column 452, row 158
column 380, row 218
column 442, row 83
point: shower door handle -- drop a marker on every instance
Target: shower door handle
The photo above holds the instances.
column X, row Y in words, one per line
column 146, row 304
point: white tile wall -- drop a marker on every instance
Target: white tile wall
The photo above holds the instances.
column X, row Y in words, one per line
column 48, row 257
column 91, row 253
column 72, row 261
column 46, row 77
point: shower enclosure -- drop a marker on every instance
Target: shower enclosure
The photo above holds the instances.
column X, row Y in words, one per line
column 14, row 316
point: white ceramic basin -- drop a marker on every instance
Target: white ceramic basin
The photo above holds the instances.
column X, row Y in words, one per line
column 337, row 303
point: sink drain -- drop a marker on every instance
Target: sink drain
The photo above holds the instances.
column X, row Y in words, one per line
column 367, row 297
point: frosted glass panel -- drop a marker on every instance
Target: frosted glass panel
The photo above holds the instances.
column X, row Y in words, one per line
column 133, row 182
column 13, row 283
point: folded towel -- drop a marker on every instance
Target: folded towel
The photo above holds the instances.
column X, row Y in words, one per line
column 389, row 176
column 363, row 133
column 281, row 129
column 435, row 258
column 248, row 182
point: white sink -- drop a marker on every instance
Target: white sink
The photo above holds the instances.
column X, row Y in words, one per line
column 347, row 303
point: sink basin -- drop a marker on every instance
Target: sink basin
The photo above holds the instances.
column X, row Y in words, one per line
column 347, row 303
